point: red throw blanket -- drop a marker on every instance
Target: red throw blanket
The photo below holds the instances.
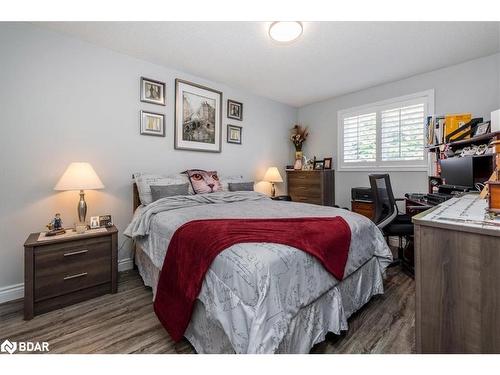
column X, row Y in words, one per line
column 196, row 244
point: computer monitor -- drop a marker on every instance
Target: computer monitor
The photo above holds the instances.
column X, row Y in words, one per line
column 458, row 171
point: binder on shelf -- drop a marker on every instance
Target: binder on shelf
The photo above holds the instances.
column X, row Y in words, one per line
column 464, row 131
column 453, row 124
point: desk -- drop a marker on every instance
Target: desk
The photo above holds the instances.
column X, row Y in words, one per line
column 457, row 275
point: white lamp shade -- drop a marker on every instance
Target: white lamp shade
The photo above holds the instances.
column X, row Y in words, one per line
column 273, row 175
column 79, row 176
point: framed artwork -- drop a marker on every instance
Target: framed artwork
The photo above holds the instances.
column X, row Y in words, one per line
column 327, row 163
column 319, row 164
column 152, row 124
column 482, row 129
column 152, row 91
column 198, row 117
column 234, row 134
column 234, row 110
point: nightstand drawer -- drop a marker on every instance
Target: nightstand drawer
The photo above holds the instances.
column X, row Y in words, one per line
column 64, row 269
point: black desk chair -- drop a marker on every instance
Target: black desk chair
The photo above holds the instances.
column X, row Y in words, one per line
column 389, row 219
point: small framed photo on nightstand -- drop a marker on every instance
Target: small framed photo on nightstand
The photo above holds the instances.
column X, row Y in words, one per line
column 94, row 222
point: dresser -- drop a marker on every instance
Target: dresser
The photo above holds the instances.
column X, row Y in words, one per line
column 61, row 271
column 316, row 187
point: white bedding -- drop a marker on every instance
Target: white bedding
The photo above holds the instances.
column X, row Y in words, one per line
column 253, row 292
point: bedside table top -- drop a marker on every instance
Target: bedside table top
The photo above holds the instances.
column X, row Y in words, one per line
column 32, row 239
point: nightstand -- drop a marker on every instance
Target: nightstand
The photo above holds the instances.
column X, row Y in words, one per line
column 61, row 271
column 282, row 198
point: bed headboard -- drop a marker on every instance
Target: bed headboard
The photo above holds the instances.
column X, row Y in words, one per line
column 136, row 200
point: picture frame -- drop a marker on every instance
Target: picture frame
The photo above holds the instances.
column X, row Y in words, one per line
column 234, row 133
column 482, row 128
column 152, row 123
column 319, row 165
column 327, row 163
column 198, row 117
column 152, row 91
column 94, row 222
column 105, row 221
column 234, row 110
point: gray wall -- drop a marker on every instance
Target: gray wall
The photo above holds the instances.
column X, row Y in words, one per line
column 63, row 100
column 469, row 87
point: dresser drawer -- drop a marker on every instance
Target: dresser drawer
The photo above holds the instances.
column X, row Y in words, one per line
column 304, row 179
column 306, row 199
column 74, row 266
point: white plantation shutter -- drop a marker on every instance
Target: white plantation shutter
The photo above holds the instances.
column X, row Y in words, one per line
column 387, row 135
column 360, row 134
column 403, row 133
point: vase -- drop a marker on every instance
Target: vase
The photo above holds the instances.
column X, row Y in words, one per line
column 298, row 160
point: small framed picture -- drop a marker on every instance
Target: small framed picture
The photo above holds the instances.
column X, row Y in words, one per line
column 152, row 124
column 234, row 110
column 319, row 164
column 152, row 91
column 234, row 134
column 327, row 163
column 105, row 221
column 482, row 128
column 94, row 222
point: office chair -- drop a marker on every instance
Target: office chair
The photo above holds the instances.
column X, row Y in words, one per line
column 388, row 218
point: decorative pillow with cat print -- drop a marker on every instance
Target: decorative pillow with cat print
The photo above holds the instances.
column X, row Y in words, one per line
column 204, row 181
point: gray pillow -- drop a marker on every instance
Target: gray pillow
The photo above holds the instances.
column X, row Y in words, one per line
column 240, row 186
column 163, row 191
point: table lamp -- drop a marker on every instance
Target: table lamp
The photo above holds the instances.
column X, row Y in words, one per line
column 273, row 175
column 80, row 176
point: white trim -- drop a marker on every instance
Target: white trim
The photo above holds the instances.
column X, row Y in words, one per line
column 11, row 292
column 377, row 106
column 125, row 264
column 16, row 291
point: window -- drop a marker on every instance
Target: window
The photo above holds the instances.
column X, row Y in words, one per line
column 387, row 135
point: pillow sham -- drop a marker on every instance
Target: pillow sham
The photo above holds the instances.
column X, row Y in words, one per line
column 241, row 186
column 163, row 191
column 226, row 180
column 145, row 180
column 204, row 181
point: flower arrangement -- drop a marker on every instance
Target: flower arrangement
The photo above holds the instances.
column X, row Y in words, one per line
column 298, row 136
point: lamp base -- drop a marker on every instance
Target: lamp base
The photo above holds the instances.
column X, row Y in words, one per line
column 273, row 190
column 82, row 207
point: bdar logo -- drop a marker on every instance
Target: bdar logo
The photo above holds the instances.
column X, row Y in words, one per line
column 9, row 347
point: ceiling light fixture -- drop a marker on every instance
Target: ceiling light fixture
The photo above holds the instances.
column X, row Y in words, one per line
column 285, row 31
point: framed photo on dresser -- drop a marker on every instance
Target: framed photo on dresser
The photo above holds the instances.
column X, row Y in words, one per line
column 152, row 91
column 198, row 117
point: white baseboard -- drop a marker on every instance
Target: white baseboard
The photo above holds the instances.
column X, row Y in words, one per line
column 11, row 292
column 16, row 291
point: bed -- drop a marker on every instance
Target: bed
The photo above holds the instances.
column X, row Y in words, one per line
column 263, row 297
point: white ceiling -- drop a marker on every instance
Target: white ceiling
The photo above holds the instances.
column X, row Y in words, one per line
column 329, row 59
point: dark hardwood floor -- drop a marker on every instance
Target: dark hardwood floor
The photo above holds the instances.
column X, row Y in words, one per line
column 125, row 323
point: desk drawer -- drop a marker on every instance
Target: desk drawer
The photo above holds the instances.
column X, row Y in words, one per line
column 77, row 265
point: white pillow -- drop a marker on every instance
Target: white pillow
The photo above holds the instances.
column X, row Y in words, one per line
column 145, row 180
